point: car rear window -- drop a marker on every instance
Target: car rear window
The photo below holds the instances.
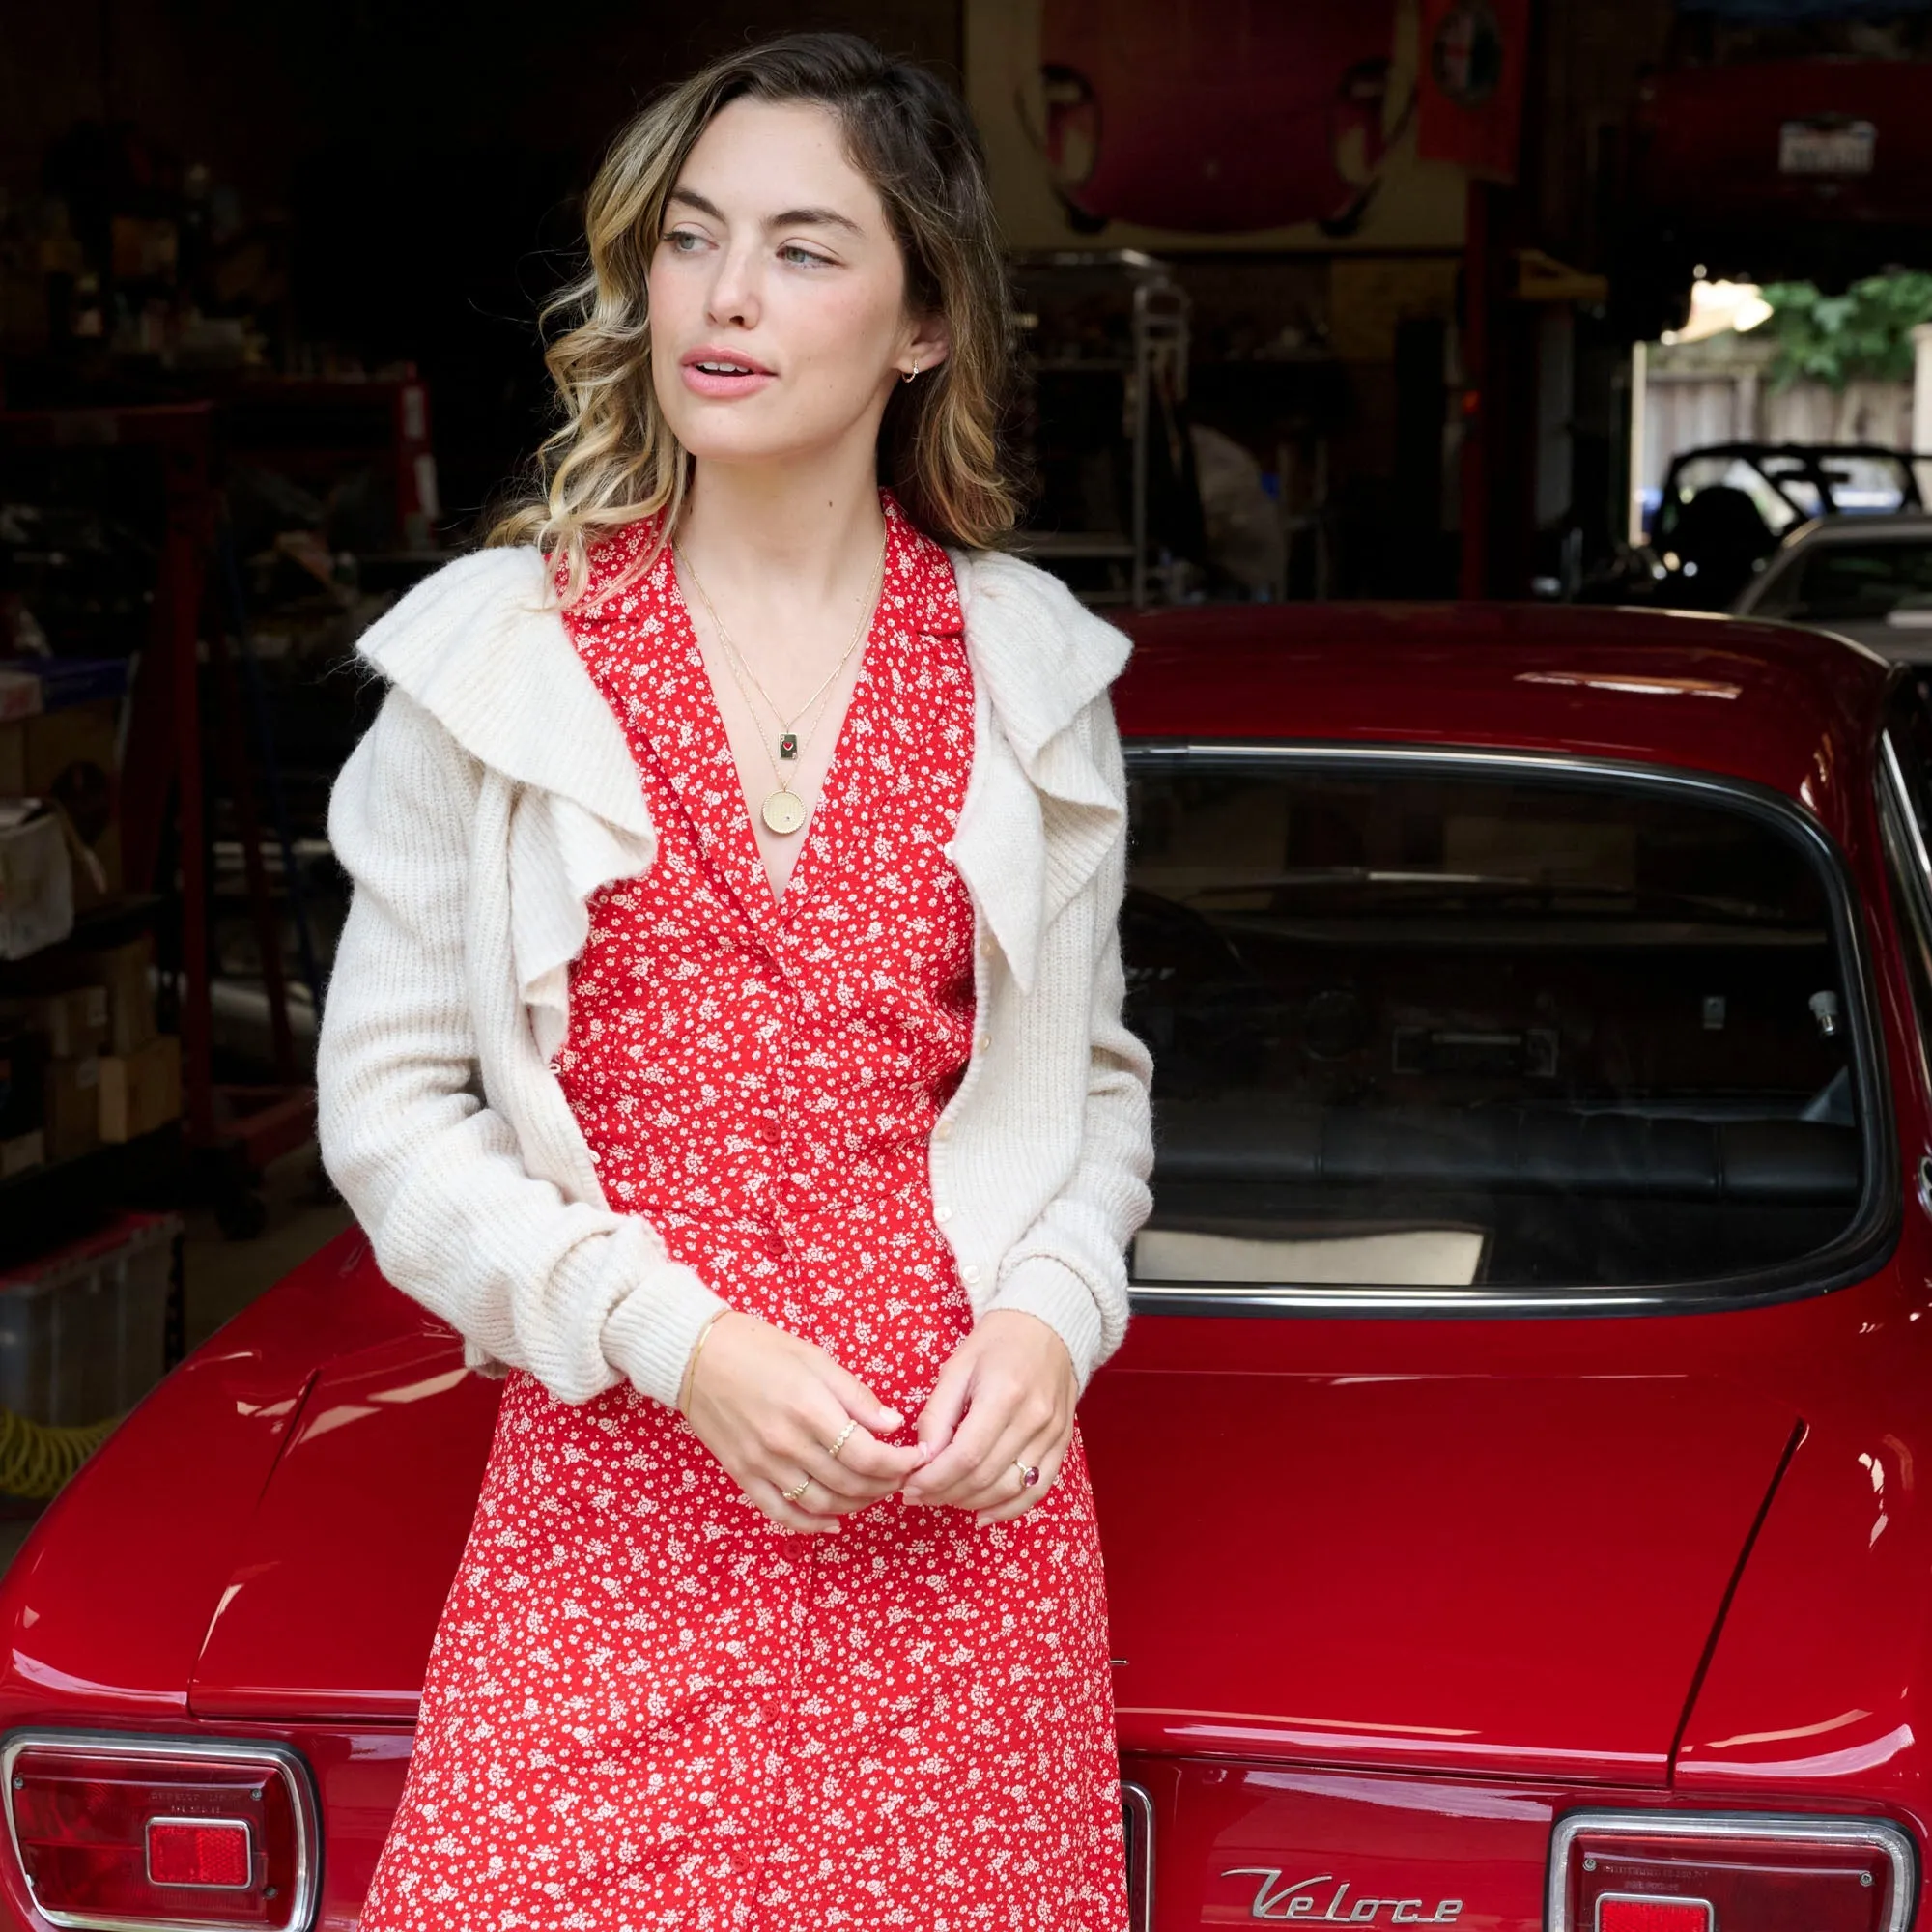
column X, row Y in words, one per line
column 1843, row 582
column 1433, row 1026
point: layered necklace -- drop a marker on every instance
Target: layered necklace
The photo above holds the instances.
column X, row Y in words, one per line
column 783, row 810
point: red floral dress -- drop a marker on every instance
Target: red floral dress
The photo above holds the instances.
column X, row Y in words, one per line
column 649, row 1709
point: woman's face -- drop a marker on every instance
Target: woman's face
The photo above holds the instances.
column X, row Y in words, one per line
column 777, row 257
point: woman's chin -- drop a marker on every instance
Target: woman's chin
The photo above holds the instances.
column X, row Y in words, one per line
column 751, row 444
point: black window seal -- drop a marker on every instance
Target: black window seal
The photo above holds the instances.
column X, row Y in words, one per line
column 1872, row 1234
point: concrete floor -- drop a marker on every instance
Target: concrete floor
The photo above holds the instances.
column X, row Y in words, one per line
column 220, row 1277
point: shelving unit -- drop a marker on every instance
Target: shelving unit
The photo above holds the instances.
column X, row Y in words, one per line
column 183, row 661
column 1106, row 362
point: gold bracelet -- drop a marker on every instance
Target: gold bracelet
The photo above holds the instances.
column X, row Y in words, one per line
column 690, row 1360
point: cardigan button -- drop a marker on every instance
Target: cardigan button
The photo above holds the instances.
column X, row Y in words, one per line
column 942, row 1212
column 984, row 1040
column 971, row 1272
column 942, row 1131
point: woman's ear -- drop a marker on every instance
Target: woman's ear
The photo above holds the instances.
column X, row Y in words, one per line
column 931, row 345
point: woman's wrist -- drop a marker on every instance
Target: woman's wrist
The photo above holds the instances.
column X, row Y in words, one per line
column 691, row 1362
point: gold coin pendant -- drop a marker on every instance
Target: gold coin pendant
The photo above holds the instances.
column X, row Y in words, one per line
column 783, row 811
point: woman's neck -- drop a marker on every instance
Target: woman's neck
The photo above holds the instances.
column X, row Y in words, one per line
column 783, row 539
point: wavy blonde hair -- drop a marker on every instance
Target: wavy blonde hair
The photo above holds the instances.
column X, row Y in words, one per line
column 614, row 458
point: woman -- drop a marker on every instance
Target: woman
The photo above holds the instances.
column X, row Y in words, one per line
column 725, row 1041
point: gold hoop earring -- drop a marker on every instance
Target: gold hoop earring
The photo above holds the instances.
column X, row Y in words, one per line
column 914, row 371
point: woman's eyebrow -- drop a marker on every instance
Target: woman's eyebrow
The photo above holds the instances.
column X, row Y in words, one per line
column 790, row 217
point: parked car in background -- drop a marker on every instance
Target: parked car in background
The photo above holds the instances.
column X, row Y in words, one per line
column 1724, row 508
column 1870, row 580
column 1511, row 1481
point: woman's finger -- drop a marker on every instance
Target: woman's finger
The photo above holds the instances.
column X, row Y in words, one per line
column 794, row 1508
column 944, row 1406
column 1022, row 1498
column 1019, row 1446
column 863, row 1466
column 859, row 1402
column 988, row 1423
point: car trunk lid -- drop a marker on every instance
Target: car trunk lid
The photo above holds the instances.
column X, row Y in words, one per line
column 1515, row 1576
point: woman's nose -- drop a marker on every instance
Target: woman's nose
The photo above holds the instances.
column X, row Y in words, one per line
column 733, row 295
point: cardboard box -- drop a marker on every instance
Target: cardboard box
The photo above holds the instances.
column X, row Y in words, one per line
column 36, row 880
column 121, row 972
column 73, row 1023
column 71, row 1108
column 140, row 1091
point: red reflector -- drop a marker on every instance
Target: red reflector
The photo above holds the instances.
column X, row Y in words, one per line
column 1630, row 1913
column 215, row 1851
column 110, row 1834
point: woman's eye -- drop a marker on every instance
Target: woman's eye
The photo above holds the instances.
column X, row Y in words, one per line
column 803, row 254
column 679, row 235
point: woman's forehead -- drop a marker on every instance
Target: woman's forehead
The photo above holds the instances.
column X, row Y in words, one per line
column 780, row 163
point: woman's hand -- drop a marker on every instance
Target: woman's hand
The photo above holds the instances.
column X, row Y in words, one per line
column 770, row 1408
column 1013, row 1380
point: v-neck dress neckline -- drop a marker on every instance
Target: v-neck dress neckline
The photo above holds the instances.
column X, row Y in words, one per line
column 820, row 827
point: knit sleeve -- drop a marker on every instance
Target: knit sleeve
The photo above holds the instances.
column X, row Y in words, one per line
column 1069, row 1267
column 580, row 1296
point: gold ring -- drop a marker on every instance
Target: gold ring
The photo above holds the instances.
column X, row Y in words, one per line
column 1028, row 1473
column 792, row 1494
column 840, row 1441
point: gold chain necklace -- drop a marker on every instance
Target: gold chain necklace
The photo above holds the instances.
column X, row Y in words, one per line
column 783, row 810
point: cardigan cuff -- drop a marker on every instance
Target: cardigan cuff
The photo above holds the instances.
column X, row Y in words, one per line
column 1040, row 1284
column 648, row 1337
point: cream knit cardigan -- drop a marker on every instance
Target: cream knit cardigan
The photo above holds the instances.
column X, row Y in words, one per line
column 495, row 791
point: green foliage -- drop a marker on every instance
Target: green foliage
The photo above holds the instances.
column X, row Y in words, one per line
column 1865, row 331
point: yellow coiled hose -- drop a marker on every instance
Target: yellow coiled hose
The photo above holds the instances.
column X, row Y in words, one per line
column 36, row 1457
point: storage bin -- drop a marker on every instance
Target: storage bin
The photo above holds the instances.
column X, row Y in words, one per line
column 83, row 1329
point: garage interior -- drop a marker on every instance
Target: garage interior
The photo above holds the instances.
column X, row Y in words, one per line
column 1539, row 301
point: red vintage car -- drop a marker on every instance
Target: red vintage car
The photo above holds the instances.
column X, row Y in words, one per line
column 1511, row 1481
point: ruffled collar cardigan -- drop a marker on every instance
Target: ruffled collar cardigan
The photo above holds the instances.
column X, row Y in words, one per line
column 496, row 793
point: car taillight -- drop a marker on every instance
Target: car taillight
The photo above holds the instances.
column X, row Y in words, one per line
column 161, row 1831
column 1660, row 1871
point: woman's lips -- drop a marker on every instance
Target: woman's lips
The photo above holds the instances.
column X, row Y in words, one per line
column 707, row 383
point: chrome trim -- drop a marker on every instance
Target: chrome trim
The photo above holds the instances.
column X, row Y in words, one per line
column 241, row 1825
column 306, row 1887
column 1605, row 1898
column 1870, row 1235
column 1790, row 1828
column 1137, row 1805
column 1901, row 798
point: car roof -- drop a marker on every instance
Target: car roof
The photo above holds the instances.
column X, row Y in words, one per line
column 1775, row 704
